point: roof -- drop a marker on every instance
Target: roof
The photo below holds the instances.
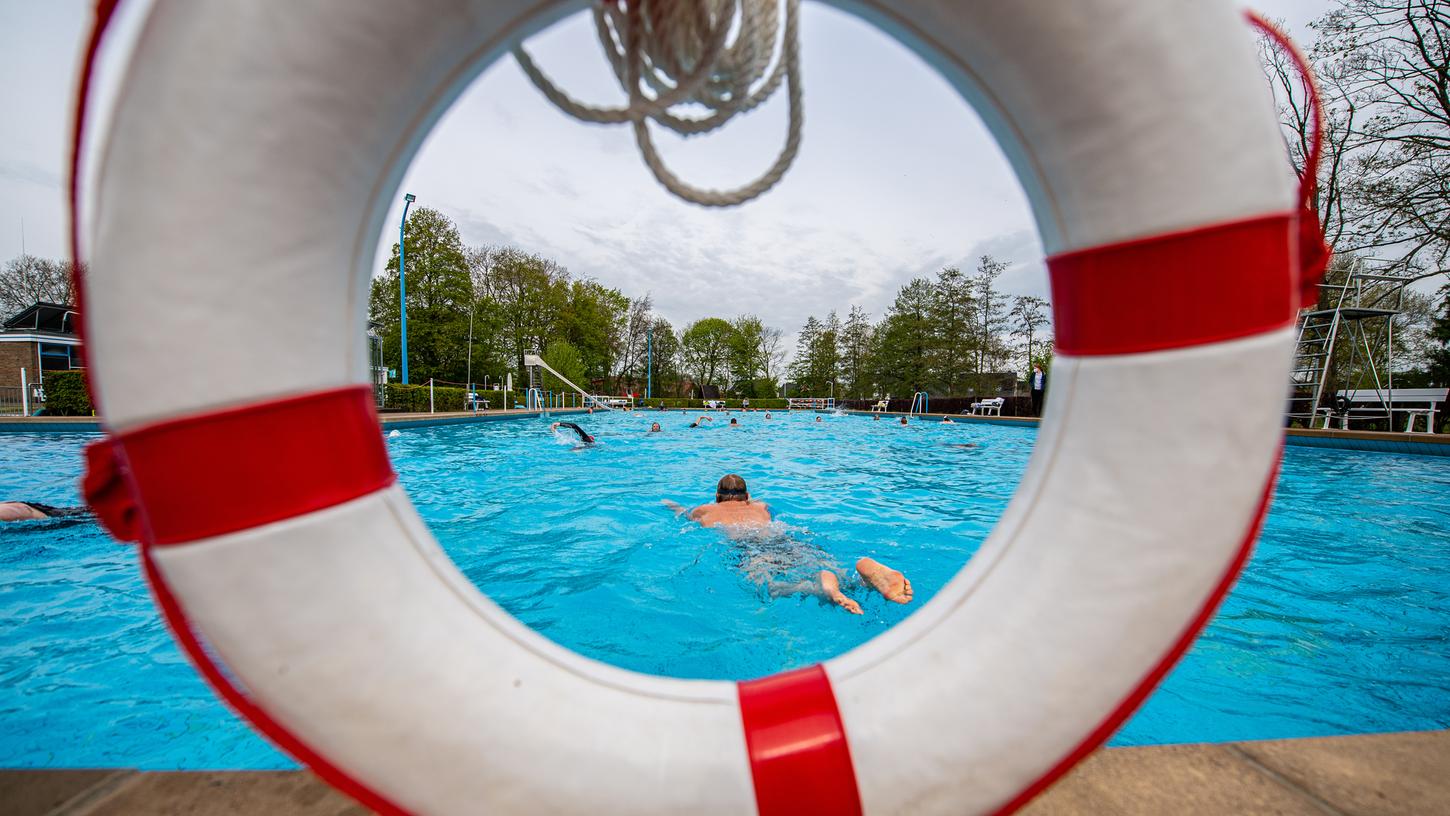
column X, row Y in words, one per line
column 43, row 316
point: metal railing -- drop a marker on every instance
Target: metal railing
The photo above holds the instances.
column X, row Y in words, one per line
column 920, row 403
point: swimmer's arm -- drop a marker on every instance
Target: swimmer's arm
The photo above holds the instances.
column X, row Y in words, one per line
column 677, row 508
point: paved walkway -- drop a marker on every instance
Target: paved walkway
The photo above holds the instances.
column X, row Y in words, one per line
column 1404, row 774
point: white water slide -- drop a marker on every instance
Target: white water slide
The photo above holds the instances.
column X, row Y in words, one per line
column 536, row 360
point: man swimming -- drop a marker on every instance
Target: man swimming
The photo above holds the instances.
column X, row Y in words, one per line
column 700, row 423
column 734, row 423
column 734, row 509
column 35, row 511
column 654, row 427
column 583, row 436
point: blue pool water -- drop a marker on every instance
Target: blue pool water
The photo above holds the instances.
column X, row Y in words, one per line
column 1339, row 625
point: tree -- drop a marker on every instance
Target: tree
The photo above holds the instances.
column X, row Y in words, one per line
column 27, row 280
column 953, row 331
column 1383, row 187
column 704, row 346
column 592, row 319
column 902, row 342
column 1438, row 354
column 991, row 315
column 565, row 359
column 746, row 355
column 1028, row 314
column 635, row 342
column 1393, row 58
column 529, row 293
column 665, row 358
column 855, row 345
column 772, row 358
column 440, row 296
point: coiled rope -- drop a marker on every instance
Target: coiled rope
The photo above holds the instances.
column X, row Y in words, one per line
column 682, row 53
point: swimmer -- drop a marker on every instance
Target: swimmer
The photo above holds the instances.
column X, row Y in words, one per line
column 583, row 437
column 734, row 423
column 903, row 420
column 947, row 421
column 654, row 427
column 700, row 423
column 818, row 417
column 733, row 508
column 767, row 415
column 875, row 417
column 35, row 511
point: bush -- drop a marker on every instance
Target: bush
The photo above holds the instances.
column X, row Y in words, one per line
column 413, row 399
column 66, row 394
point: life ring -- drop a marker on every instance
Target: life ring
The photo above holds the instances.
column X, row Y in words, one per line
column 234, row 220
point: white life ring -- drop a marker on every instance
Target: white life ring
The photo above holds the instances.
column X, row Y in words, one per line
column 236, row 210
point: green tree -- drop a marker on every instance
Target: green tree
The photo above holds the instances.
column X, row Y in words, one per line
column 855, row 346
column 746, row 356
column 902, row 342
column 704, row 350
column 565, row 359
column 592, row 319
column 440, row 297
column 952, row 330
column 665, row 359
column 528, row 294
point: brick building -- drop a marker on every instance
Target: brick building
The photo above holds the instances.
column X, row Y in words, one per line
column 39, row 339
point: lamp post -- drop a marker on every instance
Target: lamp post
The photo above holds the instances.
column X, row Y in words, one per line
column 649, row 361
column 408, row 198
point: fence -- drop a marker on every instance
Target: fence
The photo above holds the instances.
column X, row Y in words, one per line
column 13, row 400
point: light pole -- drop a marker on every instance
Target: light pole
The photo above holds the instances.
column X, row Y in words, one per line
column 408, row 198
column 649, row 361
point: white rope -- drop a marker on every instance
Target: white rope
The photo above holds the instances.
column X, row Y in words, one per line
column 682, row 52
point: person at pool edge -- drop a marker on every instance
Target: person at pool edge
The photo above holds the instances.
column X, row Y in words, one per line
column 733, row 507
column 1039, row 387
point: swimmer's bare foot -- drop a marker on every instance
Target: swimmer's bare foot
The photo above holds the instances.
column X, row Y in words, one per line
column 890, row 583
column 833, row 591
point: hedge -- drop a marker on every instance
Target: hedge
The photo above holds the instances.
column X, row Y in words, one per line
column 66, row 394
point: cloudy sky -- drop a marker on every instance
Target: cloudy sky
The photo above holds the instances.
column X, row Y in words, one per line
column 896, row 176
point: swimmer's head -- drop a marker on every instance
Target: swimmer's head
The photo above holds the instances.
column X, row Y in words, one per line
column 903, row 420
column 818, row 417
column 875, row 417
column 654, row 427
column 735, row 422
column 767, row 415
column 731, row 488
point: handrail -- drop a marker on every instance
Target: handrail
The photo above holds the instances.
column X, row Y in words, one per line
column 922, row 398
column 536, row 360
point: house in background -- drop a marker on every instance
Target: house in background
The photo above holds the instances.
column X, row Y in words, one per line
column 41, row 338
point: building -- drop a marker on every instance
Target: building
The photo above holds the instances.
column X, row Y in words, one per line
column 41, row 338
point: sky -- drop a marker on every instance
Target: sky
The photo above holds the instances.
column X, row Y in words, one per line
column 896, row 176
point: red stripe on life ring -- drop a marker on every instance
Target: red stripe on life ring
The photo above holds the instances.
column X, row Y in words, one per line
column 212, row 474
column 799, row 759
column 1183, row 289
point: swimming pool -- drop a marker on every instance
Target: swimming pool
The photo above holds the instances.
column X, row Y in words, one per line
column 1339, row 625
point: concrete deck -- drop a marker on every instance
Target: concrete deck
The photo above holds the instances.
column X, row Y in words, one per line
column 1405, row 774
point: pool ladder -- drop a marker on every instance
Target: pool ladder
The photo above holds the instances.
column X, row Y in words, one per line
column 919, row 403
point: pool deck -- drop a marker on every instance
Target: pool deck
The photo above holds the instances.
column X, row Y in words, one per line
column 1366, row 775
